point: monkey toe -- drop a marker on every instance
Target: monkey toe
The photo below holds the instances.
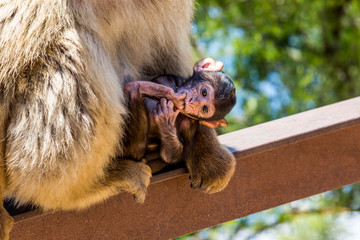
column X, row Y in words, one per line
column 196, row 182
column 139, row 196
column 212, row 189
column 214, row 186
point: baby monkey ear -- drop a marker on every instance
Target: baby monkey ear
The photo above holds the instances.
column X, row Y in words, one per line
column 214, row 124
column 209, row 65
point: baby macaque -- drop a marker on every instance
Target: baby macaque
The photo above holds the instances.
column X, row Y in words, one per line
column 170, row 109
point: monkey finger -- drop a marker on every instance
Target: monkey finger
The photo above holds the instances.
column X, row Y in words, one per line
column 214, row 188
column 196, row 182
column 182, row 96
column 163, row 103
column 182, row 104
column 170, row 106
column 139, row 197
column 180, row 101
column 201, row 183
column 178, row 97
column 179, row 104
column 205, row 187
column 210, row 190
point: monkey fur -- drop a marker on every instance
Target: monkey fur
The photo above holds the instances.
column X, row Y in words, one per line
column 157, row 111
column 63, row 65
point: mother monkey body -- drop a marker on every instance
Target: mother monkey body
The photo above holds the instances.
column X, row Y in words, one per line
column 63, row 64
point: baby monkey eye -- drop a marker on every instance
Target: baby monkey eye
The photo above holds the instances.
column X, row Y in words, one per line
column 205, row 109
column 204, row 92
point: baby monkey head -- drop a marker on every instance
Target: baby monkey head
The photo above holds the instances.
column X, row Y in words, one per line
column 210, row 93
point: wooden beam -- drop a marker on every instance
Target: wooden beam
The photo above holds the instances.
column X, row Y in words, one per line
column 277, row 162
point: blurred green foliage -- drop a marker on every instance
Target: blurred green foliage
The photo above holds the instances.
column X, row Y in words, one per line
column 285, row 57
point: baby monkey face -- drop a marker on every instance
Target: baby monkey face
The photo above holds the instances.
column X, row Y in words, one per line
column 199, row 101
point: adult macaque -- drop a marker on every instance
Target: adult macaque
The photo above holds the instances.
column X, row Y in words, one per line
column 63, row 65
column 208, row 95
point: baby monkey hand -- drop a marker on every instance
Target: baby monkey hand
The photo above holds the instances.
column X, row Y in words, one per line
column 177, row 99
column 165, row 116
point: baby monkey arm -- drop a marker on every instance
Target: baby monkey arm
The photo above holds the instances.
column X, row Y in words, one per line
column 140, row 89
